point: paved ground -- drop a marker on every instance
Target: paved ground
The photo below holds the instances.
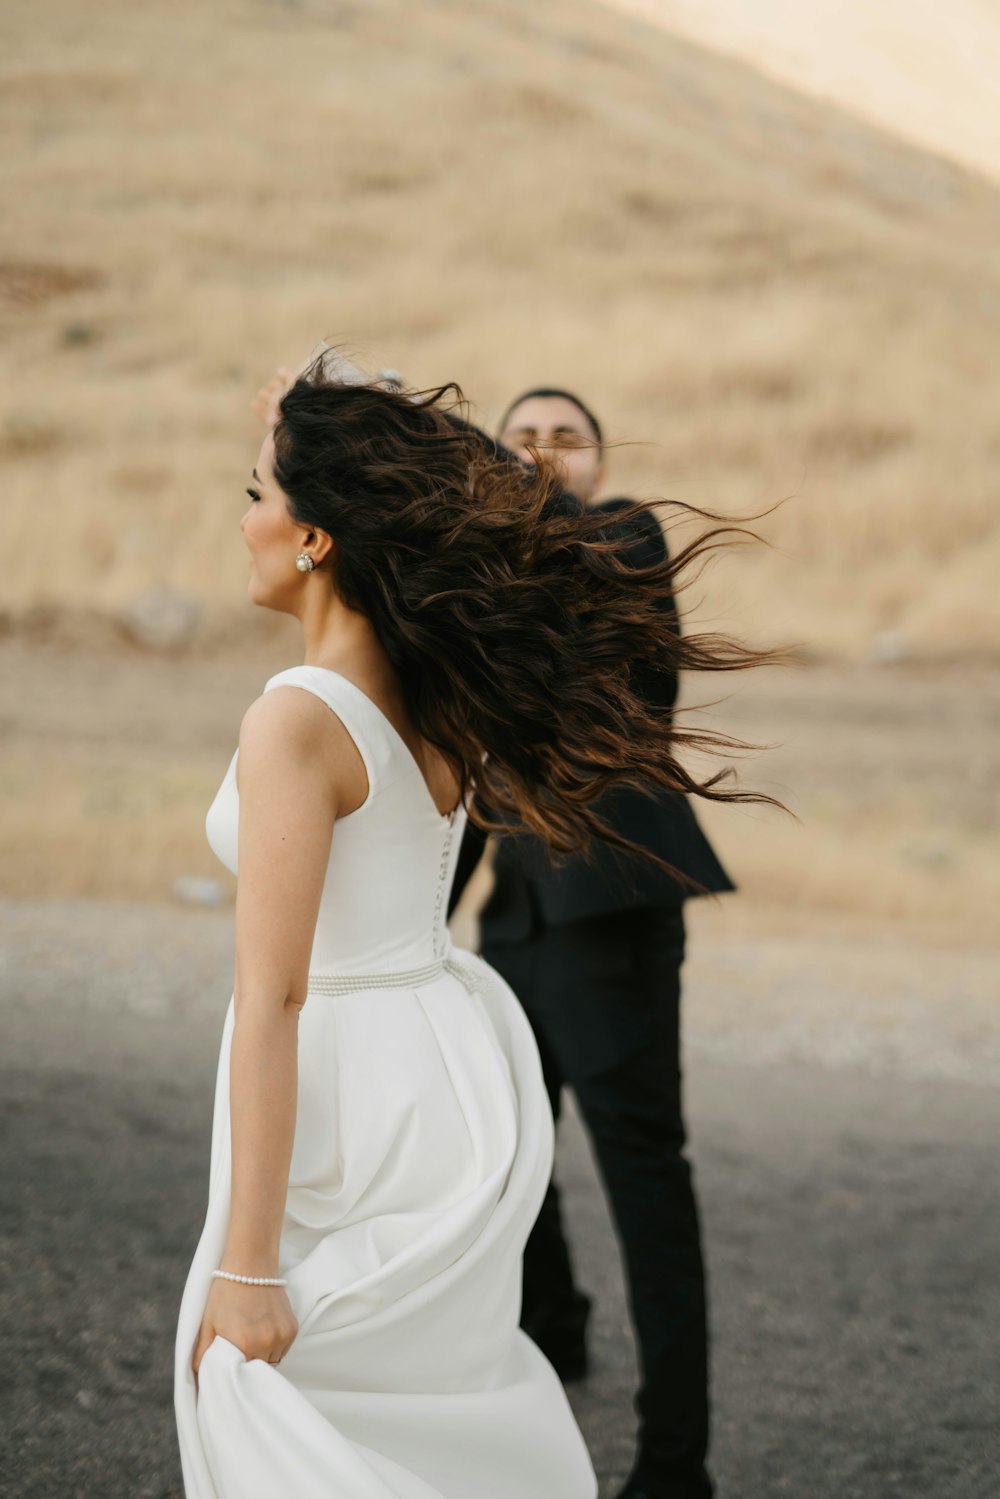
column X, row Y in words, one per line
column 845, row 1125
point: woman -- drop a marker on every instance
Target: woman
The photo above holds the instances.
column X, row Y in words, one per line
column 382, row 1138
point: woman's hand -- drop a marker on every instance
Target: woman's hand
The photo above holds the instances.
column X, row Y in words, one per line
column 258, row 1320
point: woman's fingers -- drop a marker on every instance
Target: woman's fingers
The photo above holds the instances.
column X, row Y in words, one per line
column 267, row 1337
column 206, row 1337
column 250, row 1347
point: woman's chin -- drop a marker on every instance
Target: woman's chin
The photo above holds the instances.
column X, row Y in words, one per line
column 260, row 596
column 255, row 593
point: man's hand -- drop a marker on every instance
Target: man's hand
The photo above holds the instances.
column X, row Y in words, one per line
column 268, row 398
column 336, row 365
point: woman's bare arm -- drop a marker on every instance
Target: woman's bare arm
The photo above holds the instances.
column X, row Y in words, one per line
column 297, row 770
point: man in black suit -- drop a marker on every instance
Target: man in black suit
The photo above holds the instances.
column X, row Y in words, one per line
column 593, row 950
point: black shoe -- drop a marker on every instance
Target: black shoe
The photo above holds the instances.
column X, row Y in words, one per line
column 562, row 1337
column 631, row 1492
column 637, row 1490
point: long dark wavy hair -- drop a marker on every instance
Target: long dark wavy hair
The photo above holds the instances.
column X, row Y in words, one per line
column 518, row 623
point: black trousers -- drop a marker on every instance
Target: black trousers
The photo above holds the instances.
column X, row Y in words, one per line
column 603, row 998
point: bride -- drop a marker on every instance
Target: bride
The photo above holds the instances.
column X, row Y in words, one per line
column 382, row 1138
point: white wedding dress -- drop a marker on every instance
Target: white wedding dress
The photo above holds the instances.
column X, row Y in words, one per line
column 423, row 1145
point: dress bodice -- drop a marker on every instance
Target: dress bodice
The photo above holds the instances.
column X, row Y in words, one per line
column 392, row 860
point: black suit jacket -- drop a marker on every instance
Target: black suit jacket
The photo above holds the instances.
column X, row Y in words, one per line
column 528, row 882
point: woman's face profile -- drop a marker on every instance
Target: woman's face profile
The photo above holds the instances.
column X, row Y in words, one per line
column 273, row 538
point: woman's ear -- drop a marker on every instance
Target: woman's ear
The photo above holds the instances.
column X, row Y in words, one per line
column 320, row 544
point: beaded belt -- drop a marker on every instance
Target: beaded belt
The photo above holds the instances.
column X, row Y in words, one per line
column 410, row 978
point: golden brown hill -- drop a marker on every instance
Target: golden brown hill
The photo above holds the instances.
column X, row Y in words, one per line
column 775, row 298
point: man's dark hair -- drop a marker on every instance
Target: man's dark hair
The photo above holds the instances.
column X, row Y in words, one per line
column 546, row 391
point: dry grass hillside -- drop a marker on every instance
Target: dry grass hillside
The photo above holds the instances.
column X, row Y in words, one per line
column 767, row 298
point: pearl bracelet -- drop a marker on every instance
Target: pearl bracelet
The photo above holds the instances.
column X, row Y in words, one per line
column 249, row 1280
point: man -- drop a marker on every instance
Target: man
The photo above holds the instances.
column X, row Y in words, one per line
column 593, row 949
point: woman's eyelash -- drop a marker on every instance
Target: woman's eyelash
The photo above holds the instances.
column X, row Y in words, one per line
column 253, row 494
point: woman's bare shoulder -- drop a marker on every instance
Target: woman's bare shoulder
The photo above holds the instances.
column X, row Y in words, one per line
column 288, row 730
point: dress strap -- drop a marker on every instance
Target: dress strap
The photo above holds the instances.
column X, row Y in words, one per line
column 356, row 712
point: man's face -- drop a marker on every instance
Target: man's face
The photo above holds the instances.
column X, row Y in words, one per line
column 561, row 435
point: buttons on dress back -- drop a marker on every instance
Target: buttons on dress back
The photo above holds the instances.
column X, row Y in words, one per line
column 439, row 897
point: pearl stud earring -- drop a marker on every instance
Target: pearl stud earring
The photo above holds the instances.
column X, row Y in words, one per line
column 304, row 562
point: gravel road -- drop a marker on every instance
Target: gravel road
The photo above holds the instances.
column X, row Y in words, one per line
column 845, row 1122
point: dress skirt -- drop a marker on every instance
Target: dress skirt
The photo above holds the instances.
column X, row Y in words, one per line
column 423, row 1147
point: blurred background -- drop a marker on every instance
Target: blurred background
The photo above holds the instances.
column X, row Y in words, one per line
column 760, row 243
column 766, row 293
